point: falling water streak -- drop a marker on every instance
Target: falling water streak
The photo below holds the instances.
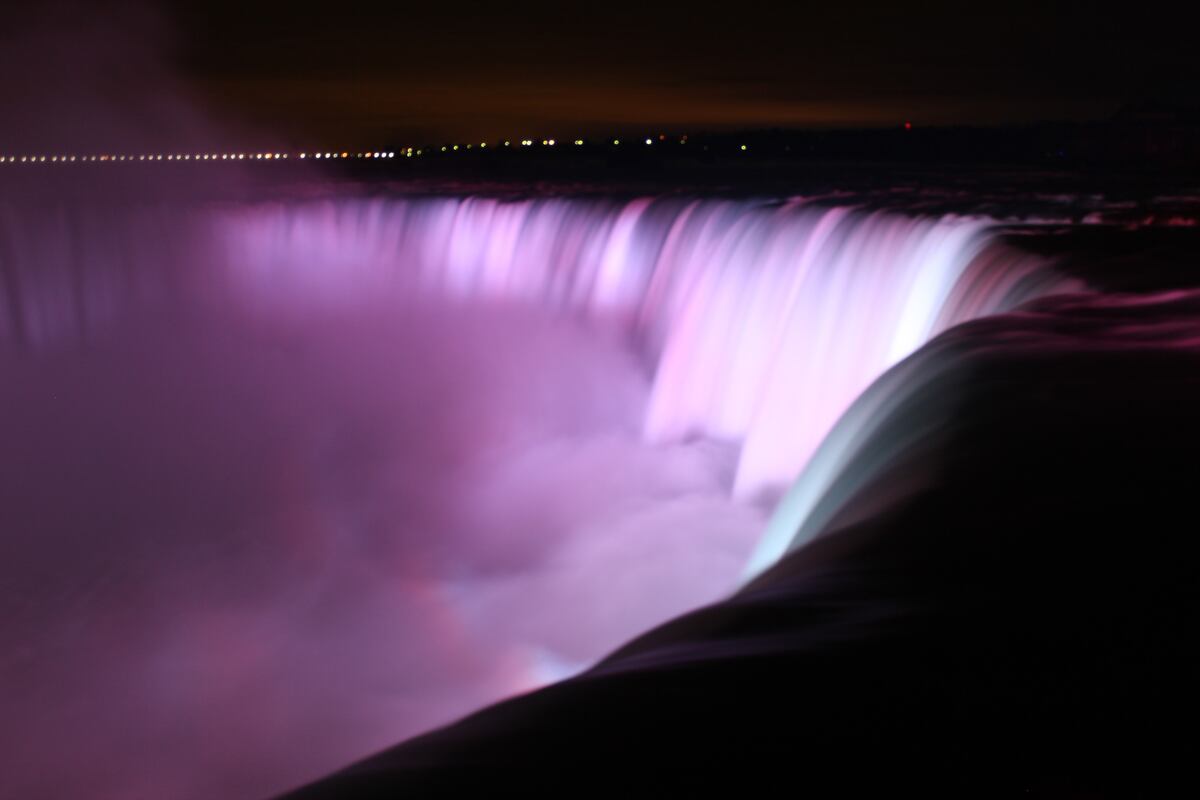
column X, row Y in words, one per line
column 762, row 320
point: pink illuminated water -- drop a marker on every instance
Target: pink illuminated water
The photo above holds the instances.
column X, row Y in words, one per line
column 284, row 482
column 759, row 322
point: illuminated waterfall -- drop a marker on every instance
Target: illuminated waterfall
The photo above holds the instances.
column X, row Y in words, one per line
column 442, row 449
column 760, row 320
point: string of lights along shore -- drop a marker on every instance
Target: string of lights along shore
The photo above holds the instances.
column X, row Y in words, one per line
column 330, row 155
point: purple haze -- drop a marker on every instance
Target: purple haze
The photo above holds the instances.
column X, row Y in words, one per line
column 238, row 555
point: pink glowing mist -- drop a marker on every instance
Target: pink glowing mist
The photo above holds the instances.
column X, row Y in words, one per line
column 238, row 555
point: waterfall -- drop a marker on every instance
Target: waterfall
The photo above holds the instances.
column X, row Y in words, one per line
column 761, row 320
column 444, row 449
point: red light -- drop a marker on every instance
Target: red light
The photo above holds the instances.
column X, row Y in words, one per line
column 907, row 125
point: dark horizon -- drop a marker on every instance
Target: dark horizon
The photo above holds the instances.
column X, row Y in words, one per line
column 305, row 74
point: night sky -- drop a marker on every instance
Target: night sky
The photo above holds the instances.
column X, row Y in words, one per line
column 356, row 73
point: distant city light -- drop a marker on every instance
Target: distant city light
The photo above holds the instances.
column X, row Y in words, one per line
column 406, row 152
